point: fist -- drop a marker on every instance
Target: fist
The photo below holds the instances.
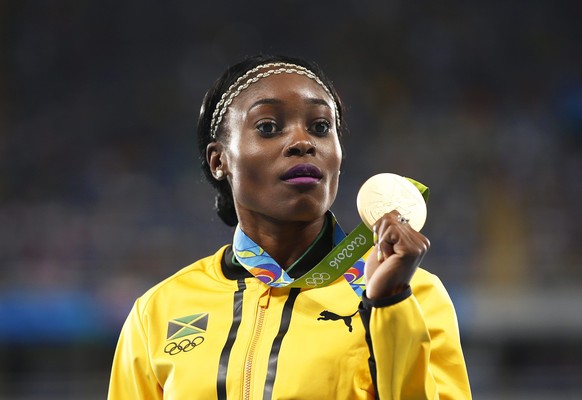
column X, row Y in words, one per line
column 397, row 253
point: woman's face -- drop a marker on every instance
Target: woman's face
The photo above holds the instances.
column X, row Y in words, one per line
column 282, row 153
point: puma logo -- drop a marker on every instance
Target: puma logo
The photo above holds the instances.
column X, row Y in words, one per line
column 330, row 316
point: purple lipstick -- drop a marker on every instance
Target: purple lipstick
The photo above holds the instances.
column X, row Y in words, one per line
column 303, row 174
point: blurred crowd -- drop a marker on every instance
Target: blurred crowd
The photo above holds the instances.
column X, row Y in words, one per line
column 101, row 194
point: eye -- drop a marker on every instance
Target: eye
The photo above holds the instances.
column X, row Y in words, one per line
column 320, row 128
column 268, row 128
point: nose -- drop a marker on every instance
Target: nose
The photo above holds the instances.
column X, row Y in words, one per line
column 301, row 148
column 301, row 145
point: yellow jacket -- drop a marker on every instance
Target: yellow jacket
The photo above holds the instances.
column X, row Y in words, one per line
column 200, row 335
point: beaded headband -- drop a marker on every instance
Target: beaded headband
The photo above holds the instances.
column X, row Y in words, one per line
column 237, row 87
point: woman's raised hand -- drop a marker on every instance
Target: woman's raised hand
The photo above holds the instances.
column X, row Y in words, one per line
column 397, row 253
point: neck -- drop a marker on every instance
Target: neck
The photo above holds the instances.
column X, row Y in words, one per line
column 284, row 241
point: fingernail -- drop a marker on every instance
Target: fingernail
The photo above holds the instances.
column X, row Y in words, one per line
column 380, row 255
column 375, row 237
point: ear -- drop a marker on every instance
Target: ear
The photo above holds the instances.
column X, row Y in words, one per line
column 216, row 160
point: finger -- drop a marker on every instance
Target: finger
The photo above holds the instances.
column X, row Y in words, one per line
column 387, row 231
column 394, row 235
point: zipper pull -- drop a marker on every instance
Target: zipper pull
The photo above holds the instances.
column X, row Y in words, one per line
column 264, row 299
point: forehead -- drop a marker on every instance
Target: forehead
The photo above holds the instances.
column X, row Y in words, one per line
column 281, row 86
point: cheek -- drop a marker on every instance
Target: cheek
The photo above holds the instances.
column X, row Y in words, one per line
column 336, row 155
column 244, row 156
column 247, row 161
column 247, row 167
column 336, row 162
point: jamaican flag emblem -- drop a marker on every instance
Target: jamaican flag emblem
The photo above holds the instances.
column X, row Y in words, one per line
column 186, row 326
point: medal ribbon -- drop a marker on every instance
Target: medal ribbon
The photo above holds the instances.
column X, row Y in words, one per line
column 344, row 259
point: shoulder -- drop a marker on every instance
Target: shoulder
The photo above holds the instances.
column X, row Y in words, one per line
column 424, row 280
column 430, row 291
column 432, row 296
column 188, row 277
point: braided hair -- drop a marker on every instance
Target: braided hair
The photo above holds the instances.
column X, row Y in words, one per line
column 224, row 202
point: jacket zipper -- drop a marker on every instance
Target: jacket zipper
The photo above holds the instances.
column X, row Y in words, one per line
column 262, row 307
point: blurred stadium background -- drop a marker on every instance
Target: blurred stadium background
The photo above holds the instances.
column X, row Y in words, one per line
column 101, row 194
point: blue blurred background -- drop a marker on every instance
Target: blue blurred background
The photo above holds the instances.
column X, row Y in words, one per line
column 101, row 195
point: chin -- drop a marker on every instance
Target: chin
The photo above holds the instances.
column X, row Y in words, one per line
column 307, row 212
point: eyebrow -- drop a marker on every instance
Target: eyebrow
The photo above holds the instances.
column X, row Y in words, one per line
column 269, row 100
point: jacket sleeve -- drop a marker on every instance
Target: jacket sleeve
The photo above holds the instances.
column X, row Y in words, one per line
column 131, row 375
column 415, row 345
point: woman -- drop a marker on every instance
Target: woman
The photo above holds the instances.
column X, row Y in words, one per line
column 255, row 320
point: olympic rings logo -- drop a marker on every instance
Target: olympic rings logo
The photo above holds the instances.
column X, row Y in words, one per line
column 317, row 278
column 185, row 346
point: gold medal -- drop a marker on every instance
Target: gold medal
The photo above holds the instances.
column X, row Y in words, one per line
column 386, row 192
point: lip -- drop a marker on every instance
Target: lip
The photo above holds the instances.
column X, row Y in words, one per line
column 302, row 174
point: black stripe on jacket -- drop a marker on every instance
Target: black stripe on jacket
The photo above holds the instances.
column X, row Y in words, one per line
column 365, row 311
column 225, row 354
column 276, row 347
